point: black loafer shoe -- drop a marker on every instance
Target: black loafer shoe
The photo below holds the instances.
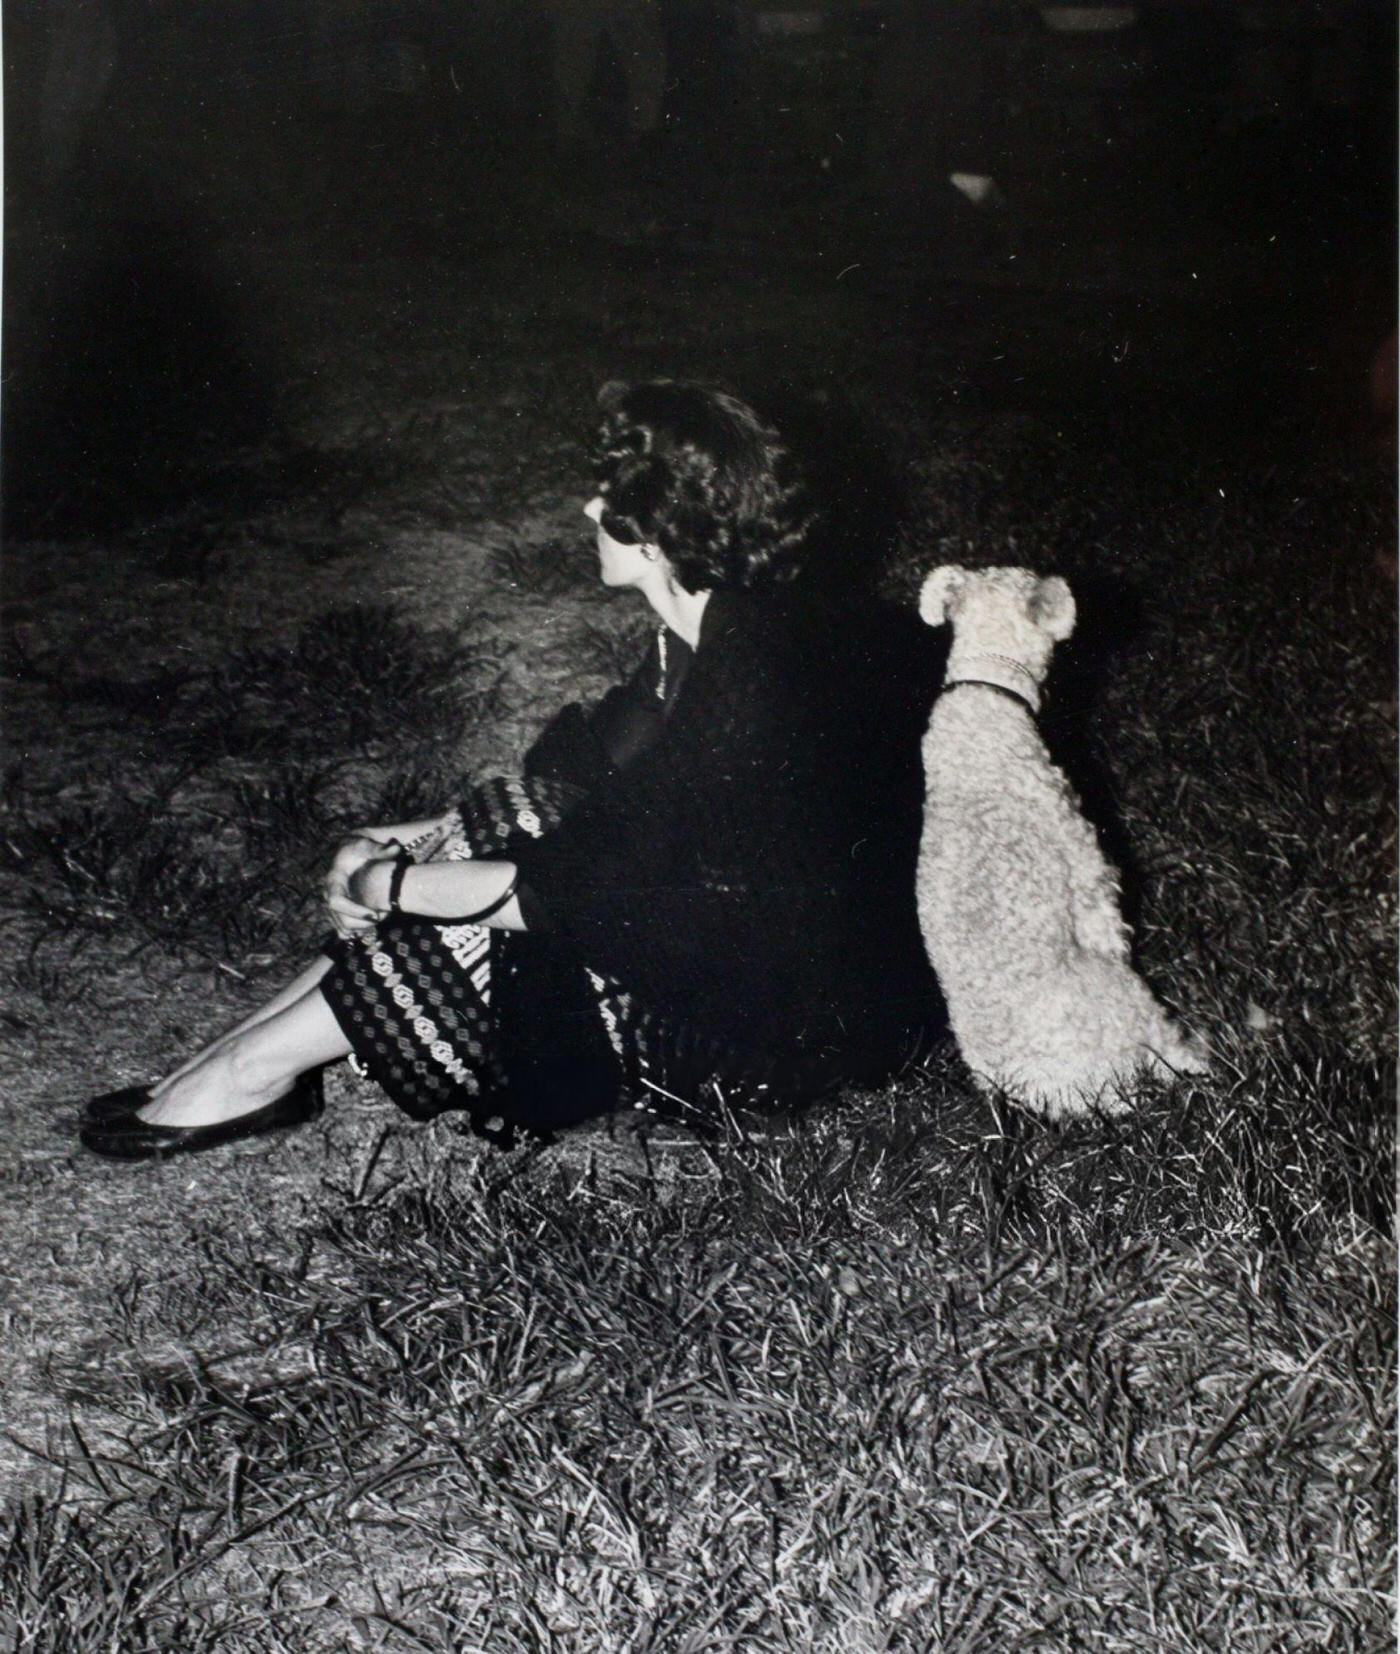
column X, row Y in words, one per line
column 120, row 1133
column 112, row 1105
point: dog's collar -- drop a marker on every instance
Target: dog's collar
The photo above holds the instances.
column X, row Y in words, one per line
column 1000, row 688
column 995, row 671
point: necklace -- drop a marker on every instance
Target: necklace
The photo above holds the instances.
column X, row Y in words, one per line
column 661, row 652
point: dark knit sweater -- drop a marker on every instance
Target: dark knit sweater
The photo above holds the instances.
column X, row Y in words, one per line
column 748, row 868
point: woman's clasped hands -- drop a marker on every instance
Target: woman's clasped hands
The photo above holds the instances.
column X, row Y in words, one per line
column 345, row 888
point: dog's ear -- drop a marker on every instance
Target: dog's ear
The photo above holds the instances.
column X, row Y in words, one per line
column 939, row 589
column 1052, row 607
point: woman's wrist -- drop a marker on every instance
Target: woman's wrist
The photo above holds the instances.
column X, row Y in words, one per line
column 460, row 893
column 457, row 893
column 402, row 832
column 398, row 872
column 369, row 883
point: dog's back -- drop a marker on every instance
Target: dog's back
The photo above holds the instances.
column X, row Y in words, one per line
column 1018, row 904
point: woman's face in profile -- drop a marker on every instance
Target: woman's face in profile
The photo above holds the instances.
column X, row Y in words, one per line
column 619, row 563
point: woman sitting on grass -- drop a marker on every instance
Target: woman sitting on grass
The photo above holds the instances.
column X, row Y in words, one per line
column 698, row 897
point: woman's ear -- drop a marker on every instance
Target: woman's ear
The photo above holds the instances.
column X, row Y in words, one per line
column 939, row 589
column 1052, row 607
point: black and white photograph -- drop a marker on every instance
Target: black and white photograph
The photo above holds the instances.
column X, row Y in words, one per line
column 698, row 834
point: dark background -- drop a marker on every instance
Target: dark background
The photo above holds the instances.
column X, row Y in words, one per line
column 1230, row 164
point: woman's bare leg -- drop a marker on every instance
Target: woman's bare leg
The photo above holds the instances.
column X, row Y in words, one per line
column 301, row 983
column 249, row 1069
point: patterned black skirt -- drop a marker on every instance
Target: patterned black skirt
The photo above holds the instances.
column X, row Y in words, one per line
column 513, row 1029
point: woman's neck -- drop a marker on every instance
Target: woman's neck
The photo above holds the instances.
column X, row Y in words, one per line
column 680, row 610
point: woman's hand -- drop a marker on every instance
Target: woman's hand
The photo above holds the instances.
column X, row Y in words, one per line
column 345, row 886
column 368, row 885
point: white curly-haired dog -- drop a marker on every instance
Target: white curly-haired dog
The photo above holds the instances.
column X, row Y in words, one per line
column 1019, row 907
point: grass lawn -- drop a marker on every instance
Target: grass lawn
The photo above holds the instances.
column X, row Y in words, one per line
column 921, row 1373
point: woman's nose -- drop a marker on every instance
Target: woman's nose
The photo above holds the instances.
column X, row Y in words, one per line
column 594, row 509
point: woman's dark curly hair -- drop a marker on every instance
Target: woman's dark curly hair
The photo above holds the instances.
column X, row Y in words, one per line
column 699, row 474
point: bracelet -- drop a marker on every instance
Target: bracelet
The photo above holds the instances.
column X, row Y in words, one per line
column 490, row 908
column 402, row 862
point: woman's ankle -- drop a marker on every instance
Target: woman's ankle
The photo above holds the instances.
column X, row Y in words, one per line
column 188, row 1066
column 225, row 1083
column 253, row 1070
